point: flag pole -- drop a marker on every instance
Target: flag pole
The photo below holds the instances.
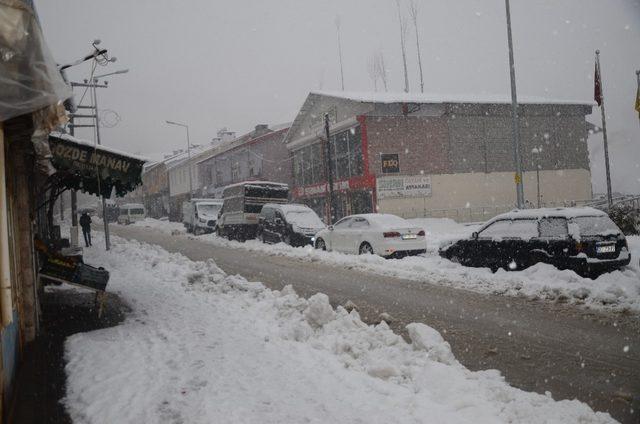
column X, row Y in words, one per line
column 638, row 94
column 604, row 128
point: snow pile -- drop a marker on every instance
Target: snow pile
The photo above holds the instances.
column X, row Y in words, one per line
column 201, row 346
column 618, row 290
column 167, row 227
column 442, row 230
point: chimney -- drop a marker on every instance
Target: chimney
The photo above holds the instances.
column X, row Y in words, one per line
column 261, row 129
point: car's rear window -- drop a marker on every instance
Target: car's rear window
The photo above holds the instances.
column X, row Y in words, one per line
column 553, row 228
column 596, row 226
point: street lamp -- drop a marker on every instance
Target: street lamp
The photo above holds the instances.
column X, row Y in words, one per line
column 121, row 71
column 536, row 153
column 107, row 238
column 188, row 154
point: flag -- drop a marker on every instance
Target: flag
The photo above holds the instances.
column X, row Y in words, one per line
column 597, row 92
column 638, row 101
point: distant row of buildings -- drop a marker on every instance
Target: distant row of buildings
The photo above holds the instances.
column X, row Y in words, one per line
column 411, row 155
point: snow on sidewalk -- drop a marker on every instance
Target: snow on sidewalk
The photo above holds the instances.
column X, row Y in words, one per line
column 203, row 347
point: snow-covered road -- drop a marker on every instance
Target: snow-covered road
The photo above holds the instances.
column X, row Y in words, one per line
column 202, row 346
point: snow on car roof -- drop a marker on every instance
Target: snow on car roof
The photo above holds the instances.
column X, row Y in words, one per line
column 293, row 207
column 258, row 184
column 384, row 219
column 550, row 212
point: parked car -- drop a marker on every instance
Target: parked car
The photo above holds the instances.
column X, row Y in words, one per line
column 582, row 239
column 293, row 224
column 381, row 234
column 201, row 215
column 130, row 213
column 238, row 218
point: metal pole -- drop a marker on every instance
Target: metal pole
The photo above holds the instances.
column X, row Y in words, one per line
column 638, row 94
column 538, row 179
column 604, row 132
column 514, row 114
column 328, row 167
column 189, row 164
column 340, row 54
column 74, row 201
column 62, row 206
column 105, row 220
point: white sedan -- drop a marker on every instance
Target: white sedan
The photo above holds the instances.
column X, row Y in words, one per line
column 375, row 233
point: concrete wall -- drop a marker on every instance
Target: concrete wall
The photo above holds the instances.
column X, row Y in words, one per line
column 421, row 144
column 262, row 158
column 453, row 195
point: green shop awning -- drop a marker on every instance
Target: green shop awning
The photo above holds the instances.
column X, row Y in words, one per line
column 98, row 170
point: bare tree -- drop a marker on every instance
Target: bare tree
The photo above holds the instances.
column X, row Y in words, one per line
column 403, row 35
column 321, row 79
column 337, row 22
column 413, row 12
column 372, row 70
column 381, row 69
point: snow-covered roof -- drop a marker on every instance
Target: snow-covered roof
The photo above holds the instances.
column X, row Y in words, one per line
column 385, row 97
column 550, row 213
column 257, row 183
column 97, row 146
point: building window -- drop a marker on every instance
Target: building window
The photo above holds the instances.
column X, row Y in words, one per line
column 235, row 171
column 346, row 149
column 347, row 160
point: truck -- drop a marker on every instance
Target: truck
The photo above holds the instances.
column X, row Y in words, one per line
column 200, row 216
column 242, row 203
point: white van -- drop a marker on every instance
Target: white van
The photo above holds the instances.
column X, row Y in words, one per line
column 130, row 213
column 201, row 215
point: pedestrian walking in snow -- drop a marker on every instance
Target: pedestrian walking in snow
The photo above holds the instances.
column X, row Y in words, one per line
column 85, row 223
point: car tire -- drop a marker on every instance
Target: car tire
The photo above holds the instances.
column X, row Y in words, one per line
column 320, row 244
column 365, row 248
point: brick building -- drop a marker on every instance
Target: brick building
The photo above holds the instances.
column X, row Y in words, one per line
column 257, row 155
column 415, row 155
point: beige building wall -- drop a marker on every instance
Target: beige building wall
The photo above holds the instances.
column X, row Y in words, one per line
column 479, row 196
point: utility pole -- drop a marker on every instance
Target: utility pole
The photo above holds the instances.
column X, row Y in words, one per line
column 93, row 85
column 599, row 97
column 328, row 168
column 105, row 218
column 340, row 52
column 188, row 154
column 514, row 115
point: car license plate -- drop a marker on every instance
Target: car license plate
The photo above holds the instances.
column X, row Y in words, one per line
column 606, row 249
column 409, row 236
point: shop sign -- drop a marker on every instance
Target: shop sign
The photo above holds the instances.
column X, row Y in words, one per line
column 93, row 169
column 403, row 186
column 390, row 163
column 321, row 188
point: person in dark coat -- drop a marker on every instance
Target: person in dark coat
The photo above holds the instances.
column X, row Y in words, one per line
column 85, row 223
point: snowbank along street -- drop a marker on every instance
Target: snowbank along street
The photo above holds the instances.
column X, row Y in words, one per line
column 202, row 346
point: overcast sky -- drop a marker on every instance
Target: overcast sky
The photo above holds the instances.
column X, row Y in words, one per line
column 237, row 63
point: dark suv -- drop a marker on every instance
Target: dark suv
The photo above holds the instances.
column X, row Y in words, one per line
column 582, row 239
column 293, row 224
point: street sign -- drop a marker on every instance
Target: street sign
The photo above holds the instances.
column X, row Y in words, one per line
column 390, row 163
